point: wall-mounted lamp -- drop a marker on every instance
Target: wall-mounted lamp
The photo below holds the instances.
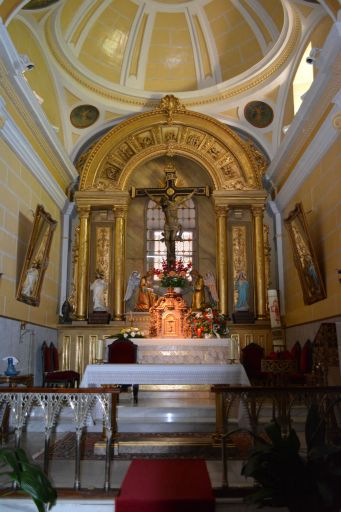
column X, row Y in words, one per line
column 313, row 55
column 25, row 63
column 338, row 271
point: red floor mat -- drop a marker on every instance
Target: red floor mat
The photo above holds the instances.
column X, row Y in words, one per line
column 175, row 485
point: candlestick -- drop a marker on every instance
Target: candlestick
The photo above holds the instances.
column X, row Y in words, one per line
column 99, row 350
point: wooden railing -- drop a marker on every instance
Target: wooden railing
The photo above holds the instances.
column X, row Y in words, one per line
column 282, row 403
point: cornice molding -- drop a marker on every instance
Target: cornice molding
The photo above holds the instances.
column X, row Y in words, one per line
column 21, row 96
column 305, row 126
column 324, row 138
column 24, row 151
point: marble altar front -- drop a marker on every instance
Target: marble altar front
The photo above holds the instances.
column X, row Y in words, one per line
column 184, row 350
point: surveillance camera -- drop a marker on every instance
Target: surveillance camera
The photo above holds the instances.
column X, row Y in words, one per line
column 313, row 55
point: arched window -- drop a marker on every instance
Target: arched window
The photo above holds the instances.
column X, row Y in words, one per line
column 155, row 248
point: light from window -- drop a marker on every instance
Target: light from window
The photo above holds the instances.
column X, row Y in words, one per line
column 156, row 248
column 303, row 79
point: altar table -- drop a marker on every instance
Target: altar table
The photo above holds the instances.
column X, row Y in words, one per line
column 184, row 350
column 177, row 374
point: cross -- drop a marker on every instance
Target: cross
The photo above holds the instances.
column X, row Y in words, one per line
column 169, row 197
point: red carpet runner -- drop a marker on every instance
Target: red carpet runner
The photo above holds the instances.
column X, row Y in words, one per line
column 167, row 485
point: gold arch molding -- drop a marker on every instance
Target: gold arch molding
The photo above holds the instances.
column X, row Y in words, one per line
column 171, row 129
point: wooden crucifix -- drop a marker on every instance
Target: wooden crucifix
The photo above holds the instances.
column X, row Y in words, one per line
column 169, row 197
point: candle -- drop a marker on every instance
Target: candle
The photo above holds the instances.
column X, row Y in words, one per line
column 99, row 350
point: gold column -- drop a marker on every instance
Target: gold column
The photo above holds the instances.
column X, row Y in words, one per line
column 119, row 263
column 222, row 274
column 83, row 264
column 257, row 212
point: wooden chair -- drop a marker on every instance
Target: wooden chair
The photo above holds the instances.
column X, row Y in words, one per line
column 251, row 359
column 124, row 351
column 52, row 376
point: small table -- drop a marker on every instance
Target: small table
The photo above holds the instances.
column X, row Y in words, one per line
column 11, row 382
column 278, row 370
column 17, row 380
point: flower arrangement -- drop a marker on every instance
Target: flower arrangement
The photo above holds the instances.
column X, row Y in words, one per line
column 173, row 275
column 208, row 321
column 129, row 332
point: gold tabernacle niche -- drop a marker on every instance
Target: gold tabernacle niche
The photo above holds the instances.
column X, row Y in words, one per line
column 168, row 317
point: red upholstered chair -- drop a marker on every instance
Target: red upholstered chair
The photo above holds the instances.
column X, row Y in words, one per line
column 252, row 356
column 52, row 376
column 124, row 351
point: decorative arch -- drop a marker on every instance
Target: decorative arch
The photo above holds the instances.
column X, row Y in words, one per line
column 171, row 129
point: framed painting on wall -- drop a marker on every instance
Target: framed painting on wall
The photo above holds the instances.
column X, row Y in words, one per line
column 304, row 256
column 37, row 257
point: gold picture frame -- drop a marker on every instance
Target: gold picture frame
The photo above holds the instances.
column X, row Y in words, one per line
column 304, row 256
column 37, row 257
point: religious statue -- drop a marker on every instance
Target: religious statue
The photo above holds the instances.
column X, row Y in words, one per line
column 130, row 297
column 211, row 288
column 99, row 288
column 31, row 279
column 172, row 231
column 242, row 287
column 198, row 298
column 146, row 297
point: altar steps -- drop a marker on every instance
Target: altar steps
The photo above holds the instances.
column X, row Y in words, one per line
column 166, row 412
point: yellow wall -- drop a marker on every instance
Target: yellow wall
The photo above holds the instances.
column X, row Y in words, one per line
column 321, row 196
column 19, row 195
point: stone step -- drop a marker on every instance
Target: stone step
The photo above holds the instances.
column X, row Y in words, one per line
column 144, row 444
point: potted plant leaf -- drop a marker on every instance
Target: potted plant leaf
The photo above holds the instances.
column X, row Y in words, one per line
column 286, row 478
column 29, row 477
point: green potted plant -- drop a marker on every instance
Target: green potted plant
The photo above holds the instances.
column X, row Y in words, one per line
column 29, row 477
column 286, row 478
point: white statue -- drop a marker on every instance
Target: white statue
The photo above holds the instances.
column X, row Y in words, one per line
column 99, row 288
column 31, row 279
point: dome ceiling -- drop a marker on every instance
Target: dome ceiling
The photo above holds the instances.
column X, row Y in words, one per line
column 164, row 45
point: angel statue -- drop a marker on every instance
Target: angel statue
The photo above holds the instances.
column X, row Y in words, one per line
column 211, row 289
column 131, row 290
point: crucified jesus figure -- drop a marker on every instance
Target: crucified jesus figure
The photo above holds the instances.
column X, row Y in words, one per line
column 172, row 231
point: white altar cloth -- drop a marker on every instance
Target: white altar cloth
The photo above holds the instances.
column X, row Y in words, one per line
column 183, row 350
column 176, row 374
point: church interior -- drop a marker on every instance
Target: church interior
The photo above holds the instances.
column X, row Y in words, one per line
column 170, row 175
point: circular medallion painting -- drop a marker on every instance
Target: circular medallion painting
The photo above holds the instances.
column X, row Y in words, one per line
column 84, row 116
column 258, row 114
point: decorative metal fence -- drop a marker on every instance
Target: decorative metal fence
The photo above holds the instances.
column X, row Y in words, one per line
column 282, row 402
column 19, row 402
